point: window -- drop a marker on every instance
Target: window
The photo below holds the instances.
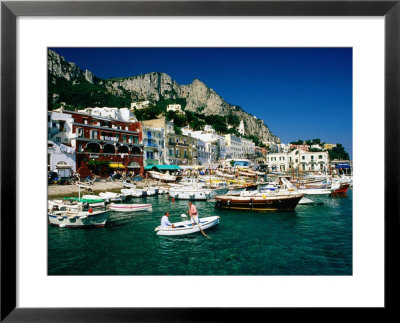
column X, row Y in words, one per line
column 312, row 157
column 124, row 138
column 79, row 131
column 303, row 157
column 319, row 156
column 58, row 139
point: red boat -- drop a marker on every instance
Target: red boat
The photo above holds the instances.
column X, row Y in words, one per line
column 341, row 191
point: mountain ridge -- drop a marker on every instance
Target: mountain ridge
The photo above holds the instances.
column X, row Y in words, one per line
column 153, row 86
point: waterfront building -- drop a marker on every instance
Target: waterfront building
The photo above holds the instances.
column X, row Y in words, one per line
column 153, row 145
column 203, row 156
column 298, row 160
column 235, row 146
column 214, row 144
column 140, row 105
column 166, row 128
column 182, row 150
column 248, row 148
column 105, row 135
column 60, row 156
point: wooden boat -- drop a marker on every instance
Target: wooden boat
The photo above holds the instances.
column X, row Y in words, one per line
column 186, row 227
column 162, row 177
column 130, row 207
column 70, row 218
column 259, row 202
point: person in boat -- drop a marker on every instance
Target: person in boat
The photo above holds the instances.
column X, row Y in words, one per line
column 165, row 221
column 194, row 215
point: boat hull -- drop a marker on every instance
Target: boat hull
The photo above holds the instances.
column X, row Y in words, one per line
column 130, row 207
column 78, row 219
column 186, row 227
column 263, row 203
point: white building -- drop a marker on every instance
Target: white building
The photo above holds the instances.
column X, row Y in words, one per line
column 234, row 145
column 241, row 127
column 248, row 147
column 120, row 114
column 153, row 145
column 298, row 159
column 175, row 107
column 203, row 156
column 60, row 157
column 214, row 144
column 140, row 105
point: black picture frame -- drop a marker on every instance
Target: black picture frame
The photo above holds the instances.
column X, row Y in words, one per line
column 10, row 10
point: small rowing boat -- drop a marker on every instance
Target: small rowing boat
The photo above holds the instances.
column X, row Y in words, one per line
column 130, row 207
column 186, row 227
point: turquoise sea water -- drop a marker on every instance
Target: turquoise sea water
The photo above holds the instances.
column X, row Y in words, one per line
column 312, row 240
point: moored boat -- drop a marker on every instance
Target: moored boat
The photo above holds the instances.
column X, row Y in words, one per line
column 130, row 207
column 162, row 177
column 259, row 202
column 70, row 218
column 111, row 196
column 186, row 227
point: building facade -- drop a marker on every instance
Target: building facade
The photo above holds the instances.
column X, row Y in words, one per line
column 299, row 160
column 182, row 150
column 153, row 145
column 106, row 135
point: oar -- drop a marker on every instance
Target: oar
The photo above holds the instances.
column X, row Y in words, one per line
column 198, row 224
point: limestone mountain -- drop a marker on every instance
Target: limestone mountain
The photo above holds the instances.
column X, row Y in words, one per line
column 76, row 87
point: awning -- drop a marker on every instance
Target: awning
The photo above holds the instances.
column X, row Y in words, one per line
column 162, row 167
column 342, row 165
column 116, row 165
column 133, row 165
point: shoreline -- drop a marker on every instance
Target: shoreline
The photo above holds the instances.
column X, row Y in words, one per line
column 59, row 191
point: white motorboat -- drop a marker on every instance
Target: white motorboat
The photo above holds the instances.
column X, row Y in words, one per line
column 111, row 196
column 70, row 218
column 126, row 192
column 130, row 207
column 186, row 227
column 315, row 191
column 162, row 177
column 136, row 192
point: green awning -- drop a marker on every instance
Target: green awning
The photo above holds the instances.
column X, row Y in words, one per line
column 162, row 167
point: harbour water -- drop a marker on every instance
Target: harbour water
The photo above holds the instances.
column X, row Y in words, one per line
column 312, row 240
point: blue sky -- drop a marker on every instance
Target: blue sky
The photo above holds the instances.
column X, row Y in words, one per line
column 300, row 93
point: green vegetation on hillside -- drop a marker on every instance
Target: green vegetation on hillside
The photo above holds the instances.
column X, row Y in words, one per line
column 82, row 94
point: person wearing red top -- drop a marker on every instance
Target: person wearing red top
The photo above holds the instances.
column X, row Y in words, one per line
column 194, row 215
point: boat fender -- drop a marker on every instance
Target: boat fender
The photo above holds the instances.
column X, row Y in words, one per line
column 90, row 210
column 264, row 197
column 251, row 203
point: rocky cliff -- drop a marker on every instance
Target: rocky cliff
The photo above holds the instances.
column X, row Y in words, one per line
column 157, row 86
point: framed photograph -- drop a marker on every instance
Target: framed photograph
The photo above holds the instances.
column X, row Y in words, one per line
column 265, row 106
